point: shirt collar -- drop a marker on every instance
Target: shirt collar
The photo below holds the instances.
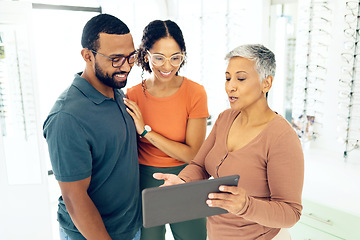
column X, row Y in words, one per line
column 88, row 90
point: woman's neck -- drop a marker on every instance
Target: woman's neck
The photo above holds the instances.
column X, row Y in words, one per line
column 154, row 82
column 256, row 116
column 159, row 88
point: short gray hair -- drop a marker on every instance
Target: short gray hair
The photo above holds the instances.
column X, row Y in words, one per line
column 264, row 58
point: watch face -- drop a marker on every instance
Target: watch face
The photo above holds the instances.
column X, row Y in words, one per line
column 147, row 128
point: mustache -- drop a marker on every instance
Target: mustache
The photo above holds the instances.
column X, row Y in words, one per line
column 121, row 72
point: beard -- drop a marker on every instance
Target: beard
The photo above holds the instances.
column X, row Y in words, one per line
column 107, row 79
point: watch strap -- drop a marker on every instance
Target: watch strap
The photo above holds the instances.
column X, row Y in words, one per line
column 144, row 133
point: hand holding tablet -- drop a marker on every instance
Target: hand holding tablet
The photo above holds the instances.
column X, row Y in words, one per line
column 182, row 202
column 169, row 179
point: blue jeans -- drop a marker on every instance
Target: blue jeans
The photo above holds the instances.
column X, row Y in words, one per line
column 63, row 235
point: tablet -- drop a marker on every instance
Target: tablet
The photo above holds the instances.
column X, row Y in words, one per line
column 182, row 202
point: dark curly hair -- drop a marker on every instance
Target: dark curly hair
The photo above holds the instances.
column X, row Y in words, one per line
column 102, row 23
column 154, row 31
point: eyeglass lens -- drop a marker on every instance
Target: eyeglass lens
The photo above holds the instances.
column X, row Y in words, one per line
column 119, row 61
column 175, row 60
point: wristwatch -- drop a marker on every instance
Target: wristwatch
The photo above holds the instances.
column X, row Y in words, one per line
column 147, row 129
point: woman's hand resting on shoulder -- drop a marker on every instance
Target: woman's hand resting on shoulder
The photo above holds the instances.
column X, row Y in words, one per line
column 134, row 111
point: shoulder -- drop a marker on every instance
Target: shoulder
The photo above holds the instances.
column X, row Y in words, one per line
column 227, row 116
column 193, row 86
column 68, row 99
column 134, row 90
column 136, row 87
column 228, row 113
column 281, row 123
column 280, row 129
column 193, row 91
column 61, row 124
column 68, row 106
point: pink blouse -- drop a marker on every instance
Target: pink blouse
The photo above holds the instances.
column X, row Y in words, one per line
column 271, row 169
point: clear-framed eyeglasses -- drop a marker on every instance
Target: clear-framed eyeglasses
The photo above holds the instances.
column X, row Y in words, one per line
column 158, row 59
column 119, row 60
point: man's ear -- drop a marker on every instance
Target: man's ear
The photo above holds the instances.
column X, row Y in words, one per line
column 86, row 54
column 267, row 84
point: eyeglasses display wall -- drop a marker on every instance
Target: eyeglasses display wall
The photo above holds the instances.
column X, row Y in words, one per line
column 18, row 115
column 349, row 82
column 18, row 125
column 327, row 75
column 315, row 22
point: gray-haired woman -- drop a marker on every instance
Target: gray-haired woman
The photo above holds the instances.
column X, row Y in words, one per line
column 256, row 143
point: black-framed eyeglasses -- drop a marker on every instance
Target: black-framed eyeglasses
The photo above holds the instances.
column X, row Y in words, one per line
column 119, row 60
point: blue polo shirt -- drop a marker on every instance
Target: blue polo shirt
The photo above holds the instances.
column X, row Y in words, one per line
column 91, row 135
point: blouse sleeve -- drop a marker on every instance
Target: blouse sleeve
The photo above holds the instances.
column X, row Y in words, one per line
column 285, row 170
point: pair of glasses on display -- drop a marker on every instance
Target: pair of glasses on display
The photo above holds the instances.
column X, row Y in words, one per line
column 351, row 47
column 319, row 33
column 119, row 60
column 346, row 83
column 317, row 55
column 321, row 20
column 310, row 102
column 354, row 95
column 348, row 72
column 320, row 6
column 313, row 91
column 308, row 90
column 352, row 33
column 353, row 6
column 351, row 144
column 351, row 18
column 315, row 68
column 350, row 58
column 314, row 80
column 158, row 59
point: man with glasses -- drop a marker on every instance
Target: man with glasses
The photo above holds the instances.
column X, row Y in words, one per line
column 92, row 140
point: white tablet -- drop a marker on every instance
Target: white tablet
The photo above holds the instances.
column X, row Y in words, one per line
column 182, row 202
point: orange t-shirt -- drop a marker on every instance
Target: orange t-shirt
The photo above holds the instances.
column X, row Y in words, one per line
column 168, row 116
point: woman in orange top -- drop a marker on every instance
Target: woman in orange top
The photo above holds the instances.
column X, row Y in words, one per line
column 170, row 114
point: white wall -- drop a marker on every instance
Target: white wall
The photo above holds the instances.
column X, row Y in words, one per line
column 24, row 201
